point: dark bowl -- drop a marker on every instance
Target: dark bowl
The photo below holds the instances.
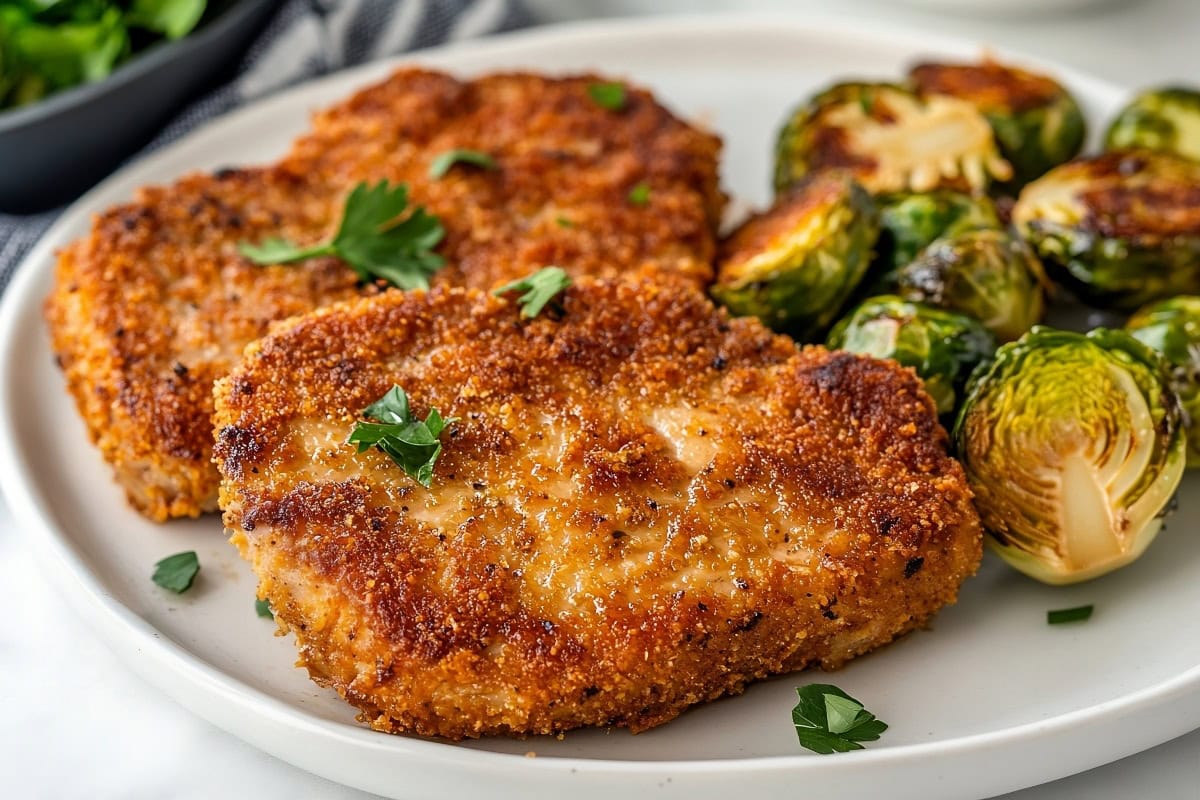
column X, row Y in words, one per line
column 53, row 150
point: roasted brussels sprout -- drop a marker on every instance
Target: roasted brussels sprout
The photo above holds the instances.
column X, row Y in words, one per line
column 890, row 139
column 986, row 274
column 1172, row 327
column 1120, row 229
column 795, row 265
column 911, row 222
column 1073, row 445
column 1036, row 122
column 942, row 346
column 1161, row 119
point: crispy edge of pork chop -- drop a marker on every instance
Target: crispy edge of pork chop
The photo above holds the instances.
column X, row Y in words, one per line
column 644, row 505
column 156, row 303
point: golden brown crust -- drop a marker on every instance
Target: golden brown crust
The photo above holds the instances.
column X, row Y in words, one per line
column 156, row 302
column 988, row 84
column 644, row 505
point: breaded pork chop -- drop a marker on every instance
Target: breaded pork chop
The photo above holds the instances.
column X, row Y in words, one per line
column 156, row 303
column 643, row 505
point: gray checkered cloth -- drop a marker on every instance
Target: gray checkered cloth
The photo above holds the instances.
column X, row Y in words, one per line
column 304, row 39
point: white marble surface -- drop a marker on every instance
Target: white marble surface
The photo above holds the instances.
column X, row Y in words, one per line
column 75, row 723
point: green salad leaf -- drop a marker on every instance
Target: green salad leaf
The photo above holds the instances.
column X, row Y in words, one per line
column 50, row 45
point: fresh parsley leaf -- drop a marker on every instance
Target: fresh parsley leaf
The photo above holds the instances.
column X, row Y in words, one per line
column 442, row 164
column 172, row 18
column 538, row 289
column 640, row 195
column 376, row 239
column 1063, row 615
column 409, row 442
column 609, row 96
column 563, row 222
column 177, row 572
column 828, row 720
column 263, row 608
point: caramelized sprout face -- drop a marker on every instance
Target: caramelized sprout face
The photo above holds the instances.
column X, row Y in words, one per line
column 1172, row 327
column 1074, row 447
column 941, row 346
column 1121, row 229
column 989, row 275
column 795, row 265
column 890, row 139
column 1162, row 119
column 1036, row 122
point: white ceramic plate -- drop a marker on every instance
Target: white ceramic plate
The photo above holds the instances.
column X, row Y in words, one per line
column 988, row 700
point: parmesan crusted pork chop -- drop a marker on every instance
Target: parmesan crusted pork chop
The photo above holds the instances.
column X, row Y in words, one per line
column 157, row 302
column 642, row 505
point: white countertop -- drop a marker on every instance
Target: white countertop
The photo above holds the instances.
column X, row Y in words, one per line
column 75, row 723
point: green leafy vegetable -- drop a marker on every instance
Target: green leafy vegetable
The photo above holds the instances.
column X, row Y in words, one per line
column 1063, row 615
column 640, row 195
column 563, row 222
column 539, row 289
column 50, row 45
column 828, row 720
column 442, row 164
column 263, row 608
column 376, row 239
column 176, row 573
column 171, row 18
column 610, row 96
column 409, row 442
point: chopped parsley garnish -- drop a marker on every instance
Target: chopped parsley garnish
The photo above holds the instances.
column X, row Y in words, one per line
column 263, row 608
column 442, row 164
column 610, row 96
column 374, row 239
column 176, row 573
column 1063, row 615
column 409, row 442
column 563, row 222
column 640, row 195
column 828, row 720
column 538, row 290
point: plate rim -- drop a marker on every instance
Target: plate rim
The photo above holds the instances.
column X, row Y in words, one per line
column 138, row 643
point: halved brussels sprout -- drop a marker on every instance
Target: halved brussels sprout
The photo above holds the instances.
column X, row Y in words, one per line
column 911, row 222
column 1120, row 229
column 942, row 346
column 794, row 265
column 1036, row 122
column 1073, row 445
column 1161, row 119
column 986, row 274
column 1172, row 327
column 890, row 139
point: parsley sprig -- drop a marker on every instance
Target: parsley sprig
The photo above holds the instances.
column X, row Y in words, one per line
column 411, row 443
column 1064, row 615
column 445, row 161
column 177, row 573
column 538, row 290
column 828, row 720
column 609, row 96
column 262, row 607
column 376, row 239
